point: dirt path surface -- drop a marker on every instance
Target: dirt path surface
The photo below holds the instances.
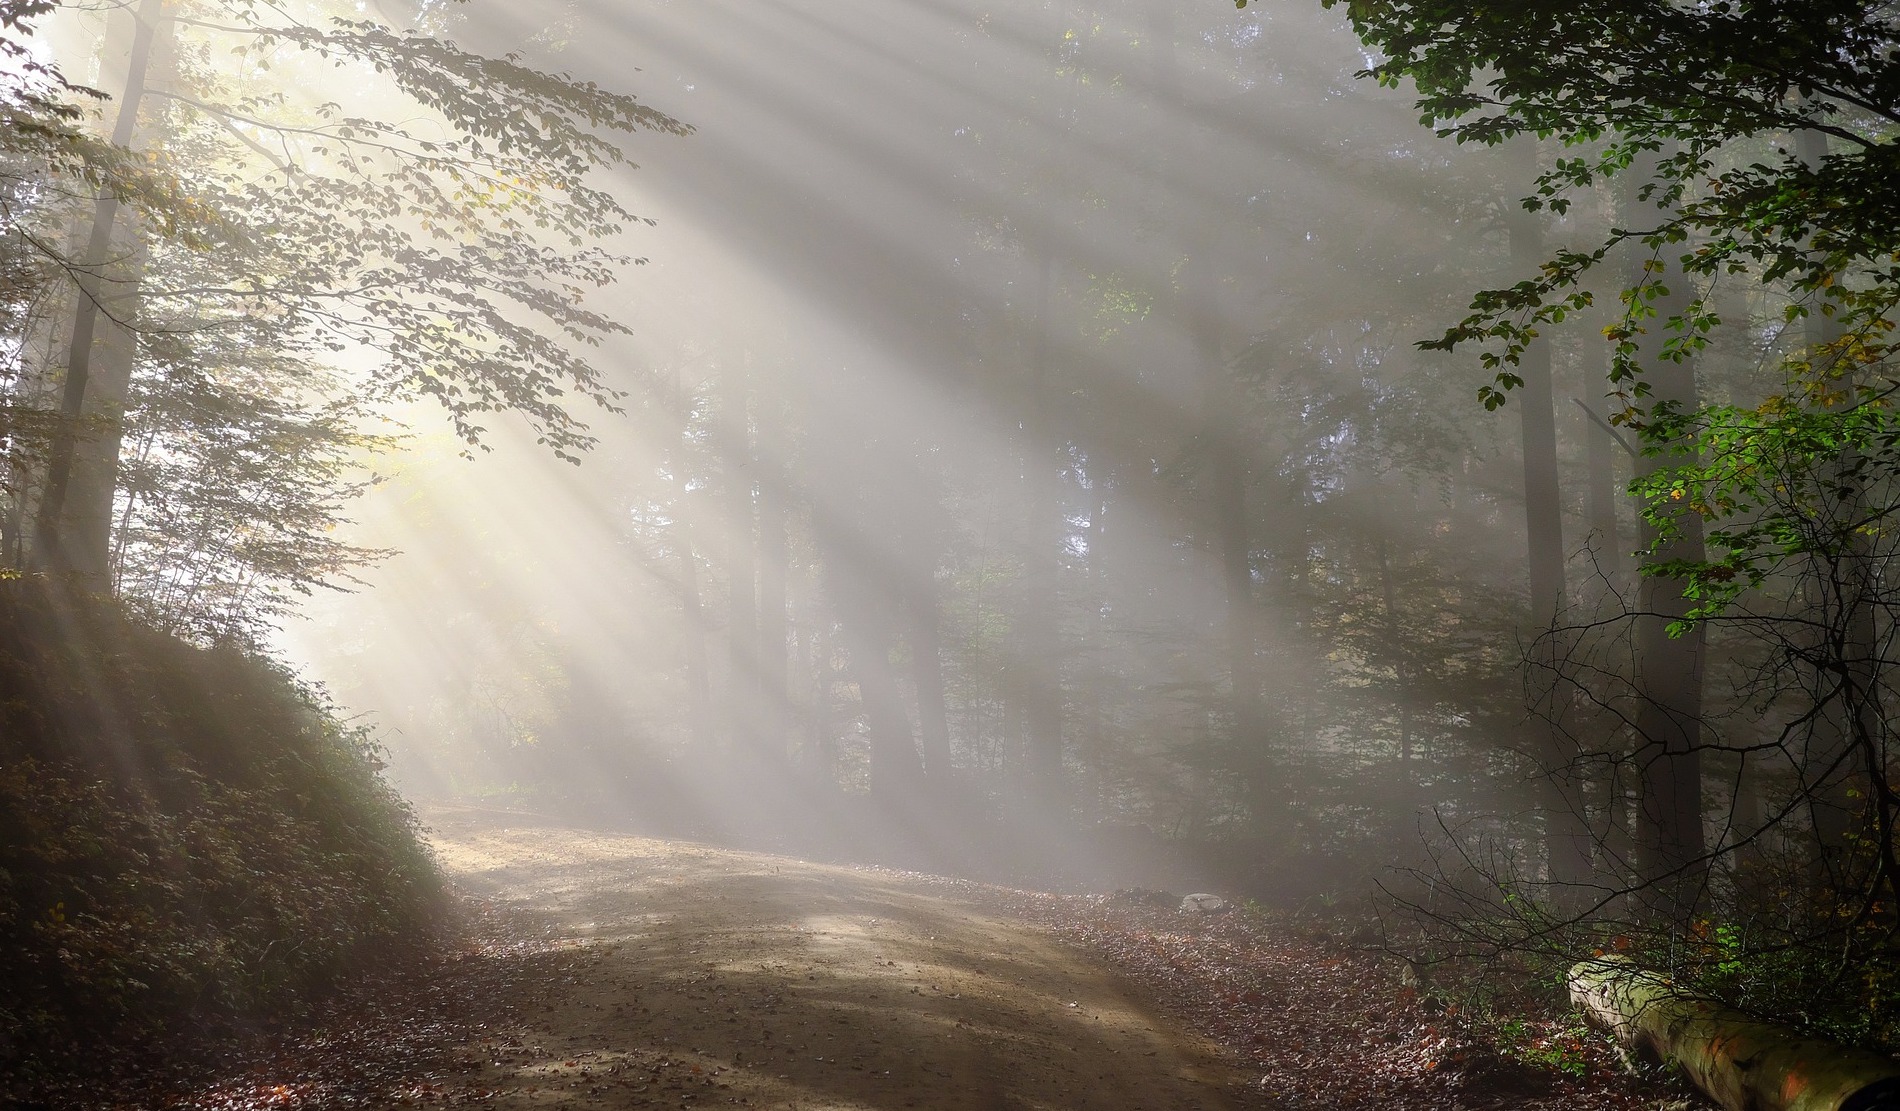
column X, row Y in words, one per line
column 706, row 977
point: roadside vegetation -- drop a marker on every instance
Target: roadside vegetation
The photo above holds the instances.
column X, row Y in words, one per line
column 191, row 842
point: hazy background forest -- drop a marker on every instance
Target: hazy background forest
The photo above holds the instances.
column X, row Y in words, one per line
column 1029, row 466
column 1023, row 415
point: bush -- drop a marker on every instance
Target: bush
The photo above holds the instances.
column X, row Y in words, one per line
column 187, row 837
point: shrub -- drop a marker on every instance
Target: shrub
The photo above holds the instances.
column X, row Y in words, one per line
column 187, row 836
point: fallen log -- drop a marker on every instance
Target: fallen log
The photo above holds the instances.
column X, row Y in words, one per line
column 1740, row 1062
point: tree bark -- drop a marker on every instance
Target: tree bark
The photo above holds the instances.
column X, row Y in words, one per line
column 1196, row 313
column 1847, row 588
column 699, row 710
column 1739, row 1062
column 1670, row 846
column 72, row 531
column 1599, row 468
column 1227, row 510
column 1401, row 677
column 926, row 662
column 1035, row 666
column 775, row 710
column 742, row 659
column 1566, row 830
column 820, row 744
column 895, row 769
column 1093, row 711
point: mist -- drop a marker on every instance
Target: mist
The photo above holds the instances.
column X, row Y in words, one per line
column 1025, row 465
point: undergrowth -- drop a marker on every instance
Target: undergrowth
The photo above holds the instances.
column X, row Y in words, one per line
column 190, row 841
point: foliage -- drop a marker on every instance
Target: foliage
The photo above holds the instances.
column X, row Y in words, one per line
column 300, row 265
column 458, row 240
column 49, row 156
column 188, row 837
column 1723, row 115
column 237, row 467
column 1783, row 485
column 1681, row 85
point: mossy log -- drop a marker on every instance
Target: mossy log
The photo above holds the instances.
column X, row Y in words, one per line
column 1742, row 1063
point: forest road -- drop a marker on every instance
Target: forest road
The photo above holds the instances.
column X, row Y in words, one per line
column 713, row 978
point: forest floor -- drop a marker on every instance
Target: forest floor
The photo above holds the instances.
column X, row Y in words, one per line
column 612, row 971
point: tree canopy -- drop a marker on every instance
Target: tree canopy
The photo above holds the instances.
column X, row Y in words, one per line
column 282, row 267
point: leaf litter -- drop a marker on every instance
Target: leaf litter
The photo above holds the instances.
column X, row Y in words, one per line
column 1330, row 1026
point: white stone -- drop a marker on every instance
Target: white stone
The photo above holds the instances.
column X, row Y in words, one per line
column 1203, row 904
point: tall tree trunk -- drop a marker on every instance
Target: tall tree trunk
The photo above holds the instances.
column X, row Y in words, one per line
column 818, row 738
column 775, row 710
column 1670, row 845
column 699, row 707
column 926, row 661
column 1395, row 637
column 1227, row 511
column 1196, row 312
column 1566, row 830
column 1599, row 469
column 84, row 530
column 1035, row 686
column 1036, row 668
column 1845, row 590
column 742, row 660
column 1604, row 592
column 39, row 373
column 73, row 523
column 864, row 618
column 1094, row 717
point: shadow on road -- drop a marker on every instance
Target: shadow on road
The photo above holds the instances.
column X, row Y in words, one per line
column 708, row 977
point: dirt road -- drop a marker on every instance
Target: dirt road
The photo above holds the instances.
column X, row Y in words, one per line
column 714, row 978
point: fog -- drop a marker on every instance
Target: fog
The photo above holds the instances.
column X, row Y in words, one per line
column 1025, row 465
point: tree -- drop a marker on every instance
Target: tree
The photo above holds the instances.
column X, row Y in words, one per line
column 1757, row 143
column 459, row 246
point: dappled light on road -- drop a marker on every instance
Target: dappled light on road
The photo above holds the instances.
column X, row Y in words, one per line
column 717, row 975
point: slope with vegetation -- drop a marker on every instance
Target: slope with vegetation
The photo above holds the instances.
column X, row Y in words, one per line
column 190, row 841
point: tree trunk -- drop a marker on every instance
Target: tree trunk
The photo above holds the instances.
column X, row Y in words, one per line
column 1604, row 595
column 895, row 769
column 1196, row 313
column 1670, row 850
column 1741, row 1063
column 699, row 710
column 1035, row 666
column 1847, row 587
column 819, row 741
column 1670, row 847
column 1566, row 830
column 775, row 710
column 742, row 660
column 1227, row 510
column 1395, row 640
column 73, row 523
column 926, row 661
column 1094, row 717
column 1599, row 468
